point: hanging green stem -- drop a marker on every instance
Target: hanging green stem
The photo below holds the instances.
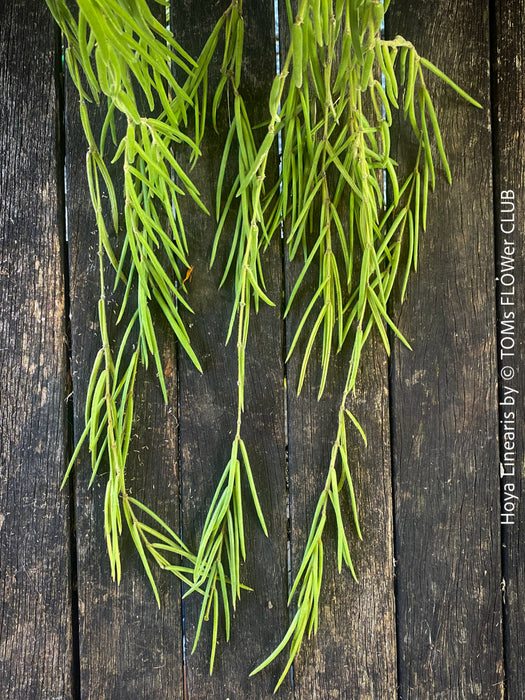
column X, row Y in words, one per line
column 118, row 50
column 335, row 124
column 222, row 545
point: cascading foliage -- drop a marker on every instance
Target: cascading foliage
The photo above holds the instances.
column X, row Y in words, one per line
column 350, row 214
column 120, row 54
column 222, row 545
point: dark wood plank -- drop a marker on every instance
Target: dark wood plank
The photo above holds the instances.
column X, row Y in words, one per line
column 129, row 647
column 36, row 656
column 444, row 392
column 354, row 652
column 509, row 205
column 208, row 402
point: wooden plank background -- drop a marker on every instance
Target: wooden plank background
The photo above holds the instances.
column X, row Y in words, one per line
column 438, row 611
column 36, row 620
column 445, row 462
column 508, row 22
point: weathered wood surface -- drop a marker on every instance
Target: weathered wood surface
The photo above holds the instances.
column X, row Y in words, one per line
column 508, row 22
column 428, row 617
column 446, row 460
column 36, row 641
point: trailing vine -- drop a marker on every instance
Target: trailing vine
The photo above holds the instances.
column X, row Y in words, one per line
column 120, row 53
column 351, row 213
column 335, row 119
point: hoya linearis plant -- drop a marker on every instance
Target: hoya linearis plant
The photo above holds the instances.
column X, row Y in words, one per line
column 332, row 105
column 334, row 118
column 119, row 54
column 222, row 545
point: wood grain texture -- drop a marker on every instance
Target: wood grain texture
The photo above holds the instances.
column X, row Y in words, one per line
column 35, row 586
column 444, row 392
column 208, row 403
column 429, row 492
column 129, row 647
column 509, row 129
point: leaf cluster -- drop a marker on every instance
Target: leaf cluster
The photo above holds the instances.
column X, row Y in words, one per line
column 222, row 544
column 223, row 538
column 350, row 212
column 352, row 217
column 120, row 53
